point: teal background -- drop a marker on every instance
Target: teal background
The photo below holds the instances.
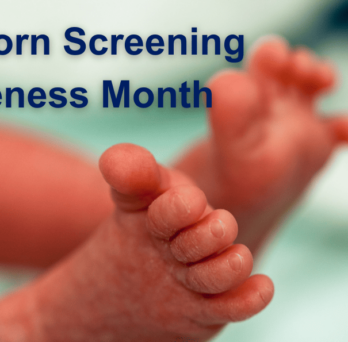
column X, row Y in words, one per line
column 308, row 257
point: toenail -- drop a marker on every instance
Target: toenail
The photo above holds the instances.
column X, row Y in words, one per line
column 217, row 228
column 236, row 262
column 265, row 294
column 180, row 206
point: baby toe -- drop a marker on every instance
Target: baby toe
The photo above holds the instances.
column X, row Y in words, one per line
column 220, row 273
column 325, row 76
column 302, row 68
column 269, row 56
column 178, row 207
column 133, row 174
column 210, row 235
column 238, row 304
column 310, row 74
column 236, row 103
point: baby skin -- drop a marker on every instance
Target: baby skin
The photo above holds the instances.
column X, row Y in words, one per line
column 162, row 267
column 266, row 144
column 267, row 141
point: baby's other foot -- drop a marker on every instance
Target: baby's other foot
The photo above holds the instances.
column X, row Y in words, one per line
column 164, row 266
column 267, row 140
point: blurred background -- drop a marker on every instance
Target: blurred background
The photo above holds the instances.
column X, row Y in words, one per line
column 308, row 258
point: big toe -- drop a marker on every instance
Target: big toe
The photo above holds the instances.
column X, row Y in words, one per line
column 236, row 102
column 133, row 174
column 269, row 56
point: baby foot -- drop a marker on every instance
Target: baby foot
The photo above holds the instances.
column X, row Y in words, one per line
column 267, row 141
column 164, row 266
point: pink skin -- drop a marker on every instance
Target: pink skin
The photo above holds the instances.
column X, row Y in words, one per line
column 163, row 266
column 265, row 147
column 267, row 141
column 50, row 200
